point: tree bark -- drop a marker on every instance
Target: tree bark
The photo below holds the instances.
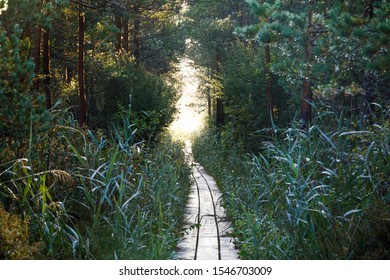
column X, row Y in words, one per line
column 269, row 82
column 136, row 31
column 27, row 33
column 307, row 94
column 46, row 67
column 37, row 52
column 83, row 105
column 369, row 78
column 118, row 24
column 68, row 75
column 306, row 99
column 209, row 109
column 126, row 36
column 37, row 57
column 220, row 114
column 369, row 11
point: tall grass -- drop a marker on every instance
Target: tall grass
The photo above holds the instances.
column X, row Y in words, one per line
column 117, row 200
column 316, row 194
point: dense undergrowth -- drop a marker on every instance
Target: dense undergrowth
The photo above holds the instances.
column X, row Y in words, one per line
column 316, row 194
column 112, row 190
column 112, row 199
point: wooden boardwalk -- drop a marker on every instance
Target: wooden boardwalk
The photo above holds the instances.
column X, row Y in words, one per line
column 207, row 228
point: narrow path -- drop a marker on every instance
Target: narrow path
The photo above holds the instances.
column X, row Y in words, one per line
column 207, row 228
column 205, row 220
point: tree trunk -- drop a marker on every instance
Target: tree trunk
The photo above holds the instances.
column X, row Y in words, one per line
column 83, row 107
column 27, row 33
column 369, row 97
column 209, row 109
column 307, row 94
column 369, row 78
column 126, row 36
column 37, row 57
column 369, row 11
column 46, row 67
column 37, row 53
column 269, row 82
column 240, row 14
column 306, row 99
column 220, row 114
column 68, row 75
column 118, row 24
column 137, row 24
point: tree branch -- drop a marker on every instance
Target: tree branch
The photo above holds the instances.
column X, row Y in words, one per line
column 84, row 4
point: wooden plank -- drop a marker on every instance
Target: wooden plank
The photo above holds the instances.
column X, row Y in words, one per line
column 209, row 240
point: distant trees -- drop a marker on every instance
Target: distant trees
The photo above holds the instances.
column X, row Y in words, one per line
column 318, row 33
column 148, row 30
column 69, row 38
column 322, row 69
column 263, row 60
column 212, row 25
column 96, row 62
column 281, row 59
column 78, row 90
column 289, row 28
column 80, row 64
column 241, row 85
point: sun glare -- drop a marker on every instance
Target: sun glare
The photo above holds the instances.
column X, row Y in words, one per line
column 5, row 6
column 190, row 115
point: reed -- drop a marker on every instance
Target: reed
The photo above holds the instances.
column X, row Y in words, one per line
column 315, row 194
column 118, row 199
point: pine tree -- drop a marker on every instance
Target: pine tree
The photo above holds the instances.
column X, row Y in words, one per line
column 212, row 31
column 360, row 40
column 262, row 10
column 21, row 122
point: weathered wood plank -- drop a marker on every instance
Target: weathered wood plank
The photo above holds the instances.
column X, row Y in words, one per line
column 203, row 242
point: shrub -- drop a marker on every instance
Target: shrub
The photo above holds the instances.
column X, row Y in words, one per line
column 14, row 239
